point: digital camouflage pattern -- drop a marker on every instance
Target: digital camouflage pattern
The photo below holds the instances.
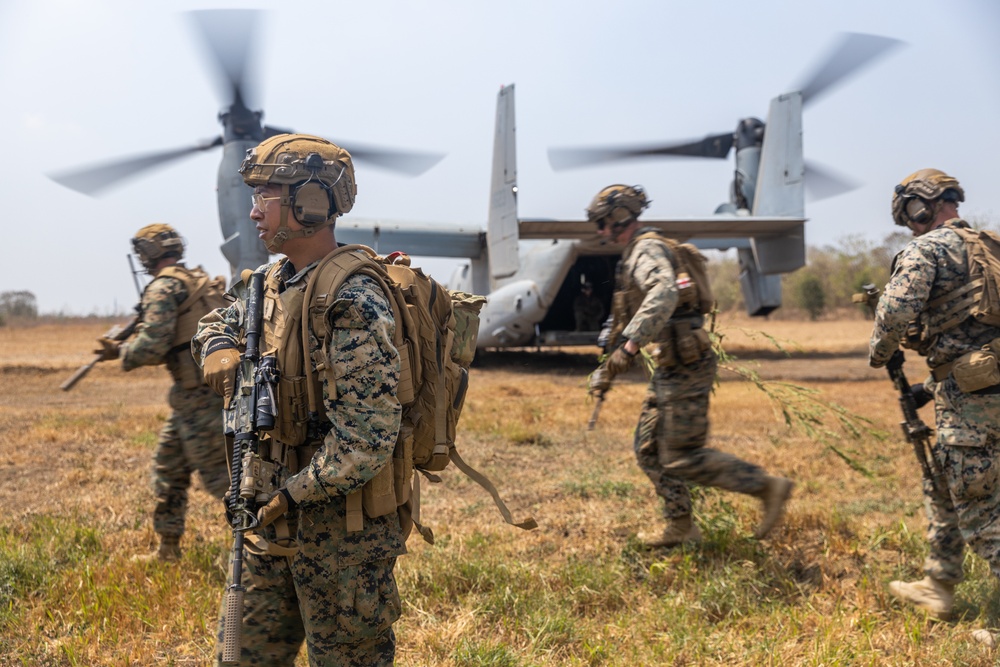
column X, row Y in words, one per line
column 191, row 440
column 338, row 592
column 968, row 425
column 673, row 425
column 929, row 266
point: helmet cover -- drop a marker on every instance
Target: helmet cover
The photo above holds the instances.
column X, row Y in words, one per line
column 293, row 160
column 617, row 205
column 929, row 185
column 154, row 242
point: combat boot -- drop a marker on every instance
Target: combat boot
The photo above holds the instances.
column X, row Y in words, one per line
column 777, row 491
column 169, row 551
column 936, row 597
column 985, row 637
column 679, row 531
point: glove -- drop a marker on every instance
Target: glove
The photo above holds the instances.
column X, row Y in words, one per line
column 921, row 396
column 599, row 382
column 220, row 371
column 108, row 348
column 275, row 508
column 896, row 361
column 619, row 362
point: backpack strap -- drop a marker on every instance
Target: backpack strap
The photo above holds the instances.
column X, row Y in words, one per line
column 971, row 291
column 186, row 277
column 333, row 270
column 484, row 481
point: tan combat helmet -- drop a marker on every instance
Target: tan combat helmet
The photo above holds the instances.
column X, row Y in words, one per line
column 154, row 242
column 919, row 196
column 617, row 205
column 316, row 179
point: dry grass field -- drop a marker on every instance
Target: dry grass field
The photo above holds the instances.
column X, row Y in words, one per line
column 579, row 590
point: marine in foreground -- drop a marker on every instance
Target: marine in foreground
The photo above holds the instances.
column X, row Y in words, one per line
column 316, row 568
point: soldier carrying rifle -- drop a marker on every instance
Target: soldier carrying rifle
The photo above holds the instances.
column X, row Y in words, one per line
column 661, row 297
column 317, row 568
column 191, row 440
column 934, row 303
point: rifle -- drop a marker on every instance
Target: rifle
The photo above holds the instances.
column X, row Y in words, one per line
column 914, row 429
column 916, row 432
column 596, row 413
column 251, row 412
column 118, row 332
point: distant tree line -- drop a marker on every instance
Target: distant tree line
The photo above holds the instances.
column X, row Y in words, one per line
column 824, row 286
column 17, row 305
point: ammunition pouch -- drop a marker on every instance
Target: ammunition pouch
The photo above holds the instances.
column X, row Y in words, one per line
column 976, row 372
column 684, row 342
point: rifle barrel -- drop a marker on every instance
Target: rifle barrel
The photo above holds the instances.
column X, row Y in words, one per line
column 80, row 373
column 596, row 413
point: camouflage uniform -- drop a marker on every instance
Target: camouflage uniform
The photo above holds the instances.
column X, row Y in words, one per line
column 673, row 426
column 968, row 425
column 337, row 592
column 192, row 437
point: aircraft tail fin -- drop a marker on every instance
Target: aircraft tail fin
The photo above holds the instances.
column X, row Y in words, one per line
column 781, row 186
column 501, row 226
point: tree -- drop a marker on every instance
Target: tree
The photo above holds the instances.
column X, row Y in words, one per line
column 18, row 305
column 811, row 296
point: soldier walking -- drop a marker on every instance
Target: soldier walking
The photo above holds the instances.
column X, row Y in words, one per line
column 927, row 306
column 655, row 303
column 191, row 440
column 320, row 569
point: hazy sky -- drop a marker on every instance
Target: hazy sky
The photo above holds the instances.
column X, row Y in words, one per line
column 90, row 80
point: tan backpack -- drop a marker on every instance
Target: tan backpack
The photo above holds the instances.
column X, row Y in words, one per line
column 205, row 294
column 436, row 332
column 980, row 297
column 690, row 273
column 983, row 249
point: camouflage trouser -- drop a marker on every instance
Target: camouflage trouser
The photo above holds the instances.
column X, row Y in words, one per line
column 968, row 511
column 338, row 593
column 670, row 439
column 191, row 440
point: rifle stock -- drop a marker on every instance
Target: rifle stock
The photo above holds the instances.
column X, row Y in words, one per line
column 117, row 332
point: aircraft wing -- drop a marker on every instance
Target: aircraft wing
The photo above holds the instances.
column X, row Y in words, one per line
column 709, row 227
column 426, row 239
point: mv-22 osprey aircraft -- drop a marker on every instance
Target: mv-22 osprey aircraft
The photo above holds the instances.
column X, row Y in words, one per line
column 531, row 269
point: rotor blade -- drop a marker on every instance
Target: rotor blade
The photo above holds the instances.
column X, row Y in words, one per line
column 227, row 35
column 853, row 52
column 92, row 180
column 412, row 163
column 823, row 182
column 712, row 146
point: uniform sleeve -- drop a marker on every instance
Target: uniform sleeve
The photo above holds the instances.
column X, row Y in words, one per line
column 904, row 298
column 154, row 336
column 654, row 275
column 220, row 327
column 359, row 393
